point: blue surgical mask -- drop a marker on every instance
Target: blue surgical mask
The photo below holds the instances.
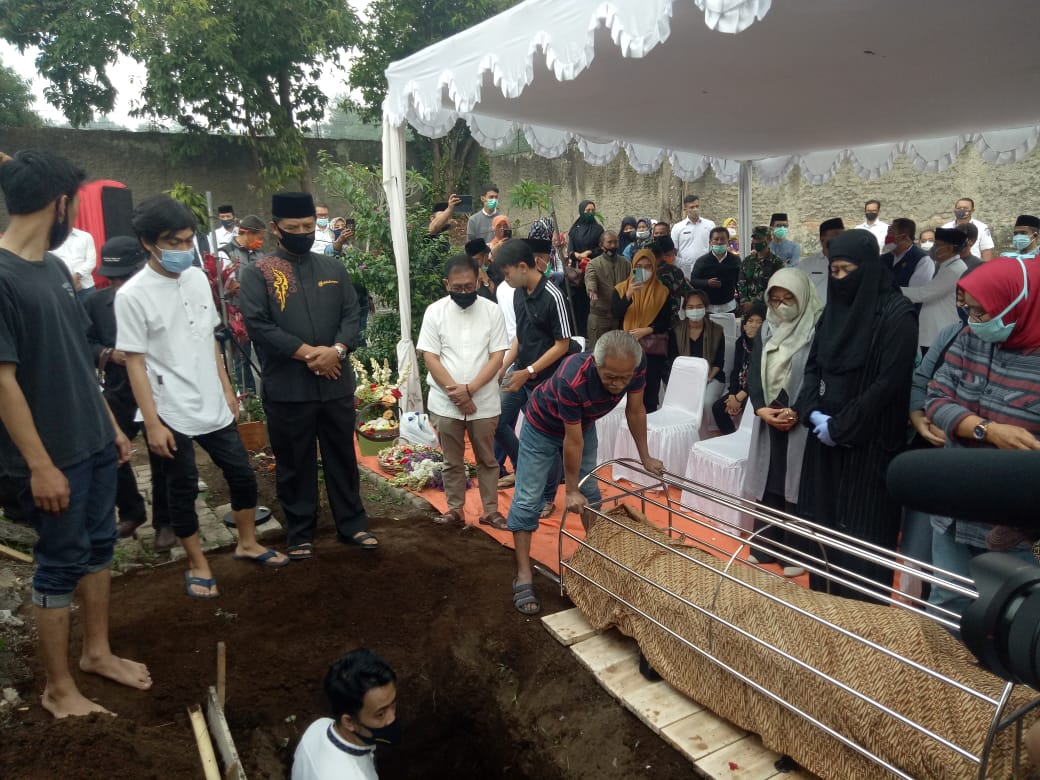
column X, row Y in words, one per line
column 1020, row 241
column 994, row 331
column 176, row 260
column 322, row 222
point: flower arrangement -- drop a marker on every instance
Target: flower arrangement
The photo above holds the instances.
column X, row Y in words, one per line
column 376, row 388
column 417, row 467
column 399, row 457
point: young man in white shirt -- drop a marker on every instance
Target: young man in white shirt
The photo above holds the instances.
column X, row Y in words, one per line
column 691, row 235
column 963, row 213
column 362, row 692
column 463, row 341
column 79, row 253
column 165, row 318
column 871, row 223
column 227, row 230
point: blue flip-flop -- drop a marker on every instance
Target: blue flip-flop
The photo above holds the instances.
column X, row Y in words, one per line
column 264, row 559
column 200, row 582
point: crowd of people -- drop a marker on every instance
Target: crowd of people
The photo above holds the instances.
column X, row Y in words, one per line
column 880, row 342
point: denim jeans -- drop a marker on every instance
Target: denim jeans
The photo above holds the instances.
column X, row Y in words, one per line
column 505, row 437
column 539, row 454
column 80, row 540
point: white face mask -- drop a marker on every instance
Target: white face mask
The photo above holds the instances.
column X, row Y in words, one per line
column 788, row 312
column 695, row 315
column 927, row 245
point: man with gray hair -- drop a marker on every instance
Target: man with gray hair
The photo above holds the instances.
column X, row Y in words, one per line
column 561, row 417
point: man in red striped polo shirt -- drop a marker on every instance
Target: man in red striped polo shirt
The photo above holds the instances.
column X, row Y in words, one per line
column 561, row 417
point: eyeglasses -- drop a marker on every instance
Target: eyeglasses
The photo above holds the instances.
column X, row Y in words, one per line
column 462, row 289
column 789, row 299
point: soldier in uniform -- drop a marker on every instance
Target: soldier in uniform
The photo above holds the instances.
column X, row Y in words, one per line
column 301, row 312
column 757, row 268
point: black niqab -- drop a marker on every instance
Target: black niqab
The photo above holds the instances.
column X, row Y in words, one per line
column 584, row 235
column 846, row 327
column 624, row 239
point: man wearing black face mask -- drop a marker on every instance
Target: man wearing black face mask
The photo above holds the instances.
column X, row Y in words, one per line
column 301, row 312
column 362, row 692
column 463, row 341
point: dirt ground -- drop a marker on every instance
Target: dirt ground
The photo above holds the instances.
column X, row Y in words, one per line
column 483, row 691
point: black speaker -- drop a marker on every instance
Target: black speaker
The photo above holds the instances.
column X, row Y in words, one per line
column 117, row 207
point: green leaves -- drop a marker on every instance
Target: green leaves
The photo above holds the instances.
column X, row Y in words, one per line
column 16, row 101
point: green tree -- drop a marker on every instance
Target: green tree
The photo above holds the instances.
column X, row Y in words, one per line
column 251, row 68
column 398, row 28
column 16, row 101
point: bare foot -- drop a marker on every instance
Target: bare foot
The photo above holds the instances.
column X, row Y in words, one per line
column 121, row 670
column 70, row 704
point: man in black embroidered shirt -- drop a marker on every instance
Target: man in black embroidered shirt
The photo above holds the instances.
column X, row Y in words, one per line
column 301, row 312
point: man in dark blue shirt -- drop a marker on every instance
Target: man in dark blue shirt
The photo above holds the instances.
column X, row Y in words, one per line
column 561, row 417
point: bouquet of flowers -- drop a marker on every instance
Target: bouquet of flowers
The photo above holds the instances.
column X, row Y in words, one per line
column 417, row 467
column 375, row 388
column 400, row 457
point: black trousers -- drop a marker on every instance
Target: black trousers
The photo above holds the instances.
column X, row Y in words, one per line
column 129, row 500
column 181, row 475
column 293, row 428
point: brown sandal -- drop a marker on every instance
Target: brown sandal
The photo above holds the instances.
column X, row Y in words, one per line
column 495, row 520
column 451, row 517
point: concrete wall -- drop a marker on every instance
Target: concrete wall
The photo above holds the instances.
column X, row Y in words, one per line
column 1001, row 193
column 149, row 163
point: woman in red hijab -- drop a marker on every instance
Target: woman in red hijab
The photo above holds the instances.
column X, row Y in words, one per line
column 986, row 395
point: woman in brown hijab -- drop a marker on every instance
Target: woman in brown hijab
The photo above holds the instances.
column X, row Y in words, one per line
column 641, row 301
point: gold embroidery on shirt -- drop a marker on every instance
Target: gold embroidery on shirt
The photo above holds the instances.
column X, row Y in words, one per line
column 324, row 282
column 281, row 286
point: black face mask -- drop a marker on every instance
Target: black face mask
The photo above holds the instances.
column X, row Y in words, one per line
column 846, row 289
column 59, row 230
column 297, row 243
column 387, row 735
column 464, row 300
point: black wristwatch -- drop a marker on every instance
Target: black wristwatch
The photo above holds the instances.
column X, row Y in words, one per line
column 979, row 432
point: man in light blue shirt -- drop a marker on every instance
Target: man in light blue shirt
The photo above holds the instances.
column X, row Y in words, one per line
column 788, row 251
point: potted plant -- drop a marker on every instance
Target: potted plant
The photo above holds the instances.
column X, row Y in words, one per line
column 253, row 431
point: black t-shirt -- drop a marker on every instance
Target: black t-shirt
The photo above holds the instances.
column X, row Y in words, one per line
column 43, row 329
column 727, row 272
column 541, row 319
column 718, row 360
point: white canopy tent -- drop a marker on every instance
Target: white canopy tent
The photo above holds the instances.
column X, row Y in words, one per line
column 682, row 80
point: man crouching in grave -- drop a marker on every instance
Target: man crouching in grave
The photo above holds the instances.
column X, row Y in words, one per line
column 561, row 416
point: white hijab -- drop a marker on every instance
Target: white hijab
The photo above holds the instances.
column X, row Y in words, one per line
column 787, row 338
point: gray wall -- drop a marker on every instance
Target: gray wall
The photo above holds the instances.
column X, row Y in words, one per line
column 1001, row 193
column 149, row 163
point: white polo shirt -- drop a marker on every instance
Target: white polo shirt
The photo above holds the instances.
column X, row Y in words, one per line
column 879, row 229
column 691, row 241
column 463, row 339
column 79, row 253
column 324, row 755
column 985, row 237
column 171, row 322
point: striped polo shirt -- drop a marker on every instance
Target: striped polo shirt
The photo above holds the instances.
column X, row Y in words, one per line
column 575, row 395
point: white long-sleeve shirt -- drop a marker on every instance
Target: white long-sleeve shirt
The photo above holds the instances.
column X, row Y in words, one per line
column 691, row 241
column 938, row 299
column 79, row 253
column 879, row 229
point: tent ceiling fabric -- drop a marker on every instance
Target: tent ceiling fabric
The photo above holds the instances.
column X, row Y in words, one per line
column 805, row 84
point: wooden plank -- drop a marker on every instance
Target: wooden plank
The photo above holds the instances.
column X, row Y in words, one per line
column 10, row 552
column 218, row 727
column 568, row 627
column 205, row 747
column 221, row 674
column 701, row 734
column 603, row 650
column 746, row 759
column 659, row 705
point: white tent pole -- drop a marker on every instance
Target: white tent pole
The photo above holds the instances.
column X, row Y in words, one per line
column 744, row 207
column 394, row 173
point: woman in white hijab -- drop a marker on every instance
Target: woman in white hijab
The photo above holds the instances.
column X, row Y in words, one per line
column 773, row 473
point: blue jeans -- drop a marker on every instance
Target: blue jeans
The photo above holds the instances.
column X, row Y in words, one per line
column 80, row 540
column 505, row 438
column 539, row 456
column 949, row 554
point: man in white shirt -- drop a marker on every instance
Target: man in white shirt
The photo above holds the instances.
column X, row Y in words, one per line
column 324, row 238
column 361, row 689
column 463, row 341
column 227, row 230
column 871, row 223
column 910, row 265
column 938, row 296
column 691, row 235
column 818, row 267
column 963, row 212
column 79, row 253
column 165, row 319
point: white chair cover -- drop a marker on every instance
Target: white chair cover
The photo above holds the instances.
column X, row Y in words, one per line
column 581, row 341
column 729, row 324
column 720, row 463
column 608, row 428
column 673, row 429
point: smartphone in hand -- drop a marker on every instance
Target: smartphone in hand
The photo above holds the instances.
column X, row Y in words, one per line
column 640, row 275
column 465, row 205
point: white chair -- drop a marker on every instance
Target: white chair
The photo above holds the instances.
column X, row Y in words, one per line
column 720, row 463
column 608, row 428
column 581, row 341
column 673, row 429
column 728, row 322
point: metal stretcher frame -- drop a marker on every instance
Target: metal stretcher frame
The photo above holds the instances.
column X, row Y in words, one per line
column 823, row 539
